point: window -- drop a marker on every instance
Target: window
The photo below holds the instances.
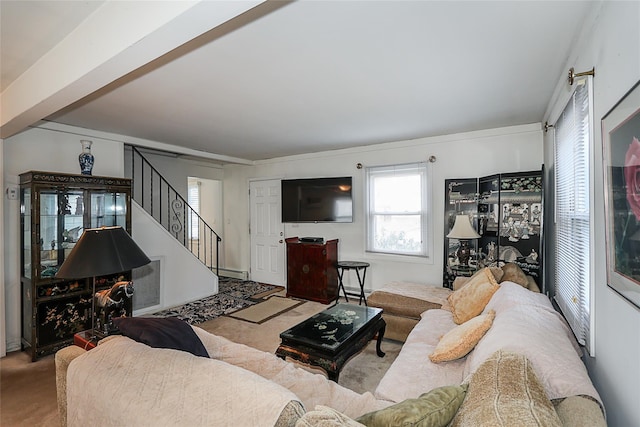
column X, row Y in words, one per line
column 397, row 209
column 194, row 201
column 573, row 270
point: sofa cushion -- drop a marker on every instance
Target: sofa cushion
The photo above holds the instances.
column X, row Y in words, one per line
column 400, row 305
column 433, row 409
column 123, row 382
column 159, row 332
column 310, row 388
column 469, row 301
column 408, row 299
column 513, row 273
column 324, row 416
column 460, row 340
column 412, row 373
column 505, row 391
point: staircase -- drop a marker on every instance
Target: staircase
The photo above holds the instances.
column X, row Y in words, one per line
column 160, row 200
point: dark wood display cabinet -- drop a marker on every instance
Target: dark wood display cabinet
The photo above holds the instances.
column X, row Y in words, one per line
column 311, row 270
column 55, row 210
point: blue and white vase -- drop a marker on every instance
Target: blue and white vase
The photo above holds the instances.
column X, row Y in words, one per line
column 86, row 158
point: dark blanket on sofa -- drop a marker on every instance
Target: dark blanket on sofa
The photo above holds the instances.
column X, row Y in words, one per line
column 159, row 332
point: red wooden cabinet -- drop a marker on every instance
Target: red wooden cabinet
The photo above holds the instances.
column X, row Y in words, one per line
column 311, row 270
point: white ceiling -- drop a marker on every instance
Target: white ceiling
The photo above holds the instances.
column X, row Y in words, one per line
column 320, row 75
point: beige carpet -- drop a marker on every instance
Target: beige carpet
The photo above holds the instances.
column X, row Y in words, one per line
column 27, row 391
column 265, row 310
column 361, row 373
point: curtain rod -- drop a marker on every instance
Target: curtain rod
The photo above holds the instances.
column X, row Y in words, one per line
column 572, row 74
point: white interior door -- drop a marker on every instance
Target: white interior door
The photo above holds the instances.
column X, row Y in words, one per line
column 267, row 232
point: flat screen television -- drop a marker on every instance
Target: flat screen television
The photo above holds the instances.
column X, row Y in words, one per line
column 317, row 200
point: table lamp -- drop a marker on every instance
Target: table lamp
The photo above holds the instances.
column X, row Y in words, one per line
column 100, row 252
column 463, row 231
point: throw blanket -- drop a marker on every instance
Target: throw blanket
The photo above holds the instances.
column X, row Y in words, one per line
column 526, row 323
column 143, row 386
column 311, row 389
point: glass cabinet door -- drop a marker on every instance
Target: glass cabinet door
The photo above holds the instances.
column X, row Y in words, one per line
column 108, row 209
column 25, row 210
column 61, row 225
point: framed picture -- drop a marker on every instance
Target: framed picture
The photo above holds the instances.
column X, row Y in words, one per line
column 621, row 145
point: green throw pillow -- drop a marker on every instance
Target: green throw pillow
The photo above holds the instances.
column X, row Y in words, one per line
column 433, row 409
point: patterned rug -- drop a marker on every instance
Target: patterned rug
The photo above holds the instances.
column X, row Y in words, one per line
column 233, row 294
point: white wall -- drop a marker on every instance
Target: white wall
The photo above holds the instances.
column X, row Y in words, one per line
column 185, row 278
column 176, row 170
column 473, row 154
column 612, row 46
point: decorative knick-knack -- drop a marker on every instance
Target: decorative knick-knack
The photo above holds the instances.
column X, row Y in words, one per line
column 86, row 158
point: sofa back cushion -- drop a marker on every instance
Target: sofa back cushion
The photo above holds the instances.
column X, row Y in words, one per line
column 504, row 391
column 526, row 323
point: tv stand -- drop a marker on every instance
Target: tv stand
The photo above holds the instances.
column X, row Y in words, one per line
column 311, row 270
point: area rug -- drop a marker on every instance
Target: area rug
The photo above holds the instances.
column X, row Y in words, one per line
column 246, row 289
column 265, row 310
column 233, row 294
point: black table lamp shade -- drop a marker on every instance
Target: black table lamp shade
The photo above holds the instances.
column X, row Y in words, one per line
column 102, row 251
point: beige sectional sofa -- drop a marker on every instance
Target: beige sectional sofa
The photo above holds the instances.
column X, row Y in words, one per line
column 525, row 367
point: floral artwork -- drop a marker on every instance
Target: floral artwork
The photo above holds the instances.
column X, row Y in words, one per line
column 328, row 328
column 67, row 318
column 631, row 176
column 621, row 139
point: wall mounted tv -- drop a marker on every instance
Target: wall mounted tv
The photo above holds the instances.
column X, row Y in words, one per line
column 317, row 200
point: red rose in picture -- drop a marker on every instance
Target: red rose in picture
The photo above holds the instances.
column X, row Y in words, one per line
column 632, row 176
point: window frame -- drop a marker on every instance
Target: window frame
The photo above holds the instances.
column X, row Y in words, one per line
column 426, row 244
column 193, row 223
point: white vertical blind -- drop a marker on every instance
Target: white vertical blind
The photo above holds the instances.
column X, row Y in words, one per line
column 572, row 212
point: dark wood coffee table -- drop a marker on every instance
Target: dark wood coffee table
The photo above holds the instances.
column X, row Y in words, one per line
column 329, row 338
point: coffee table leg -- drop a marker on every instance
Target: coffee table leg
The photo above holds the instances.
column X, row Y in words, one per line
column 379, row 352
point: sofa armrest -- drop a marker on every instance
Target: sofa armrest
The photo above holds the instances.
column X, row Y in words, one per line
column 62, row 359
column 577, row 411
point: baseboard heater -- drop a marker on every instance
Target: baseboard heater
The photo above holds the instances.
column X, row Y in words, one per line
column 236, row 274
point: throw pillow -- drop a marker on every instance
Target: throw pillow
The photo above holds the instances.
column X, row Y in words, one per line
column 433, row 409
column 159, row 332
column 505, row 391
column 462, row 339
column 469, row 301
column 513, row 273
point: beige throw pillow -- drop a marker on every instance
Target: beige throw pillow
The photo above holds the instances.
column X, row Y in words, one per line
column 504, row 391
column 469, row 301
column 462, row 339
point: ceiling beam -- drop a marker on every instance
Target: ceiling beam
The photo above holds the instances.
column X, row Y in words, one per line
column 118, row 38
